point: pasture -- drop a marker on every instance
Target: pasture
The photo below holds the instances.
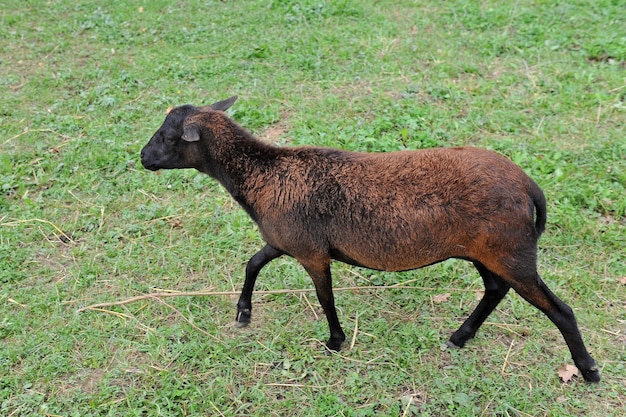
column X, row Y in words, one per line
column 85, row 85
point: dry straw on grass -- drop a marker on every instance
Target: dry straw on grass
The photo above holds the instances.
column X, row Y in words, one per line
column 202, row 293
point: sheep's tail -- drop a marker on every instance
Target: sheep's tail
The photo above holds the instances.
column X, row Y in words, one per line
column 539, row 201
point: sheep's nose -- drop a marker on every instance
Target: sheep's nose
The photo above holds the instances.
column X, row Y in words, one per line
column 143, row 157
column 143, row 154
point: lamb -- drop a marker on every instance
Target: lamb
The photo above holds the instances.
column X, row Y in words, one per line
column 384, row 211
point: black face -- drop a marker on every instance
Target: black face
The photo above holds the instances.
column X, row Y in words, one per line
column 170, row 147
column 165, row 148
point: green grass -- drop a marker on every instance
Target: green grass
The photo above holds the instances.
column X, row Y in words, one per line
column 85, row 84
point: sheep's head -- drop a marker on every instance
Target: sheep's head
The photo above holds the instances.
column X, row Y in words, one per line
column 175, row 144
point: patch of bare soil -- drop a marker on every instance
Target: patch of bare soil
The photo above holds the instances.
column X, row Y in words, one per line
column 273, row 133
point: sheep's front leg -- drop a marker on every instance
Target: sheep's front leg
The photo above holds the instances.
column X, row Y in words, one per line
column 255, row 264
column 320, row 274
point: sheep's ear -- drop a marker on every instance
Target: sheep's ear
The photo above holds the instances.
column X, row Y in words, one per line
column 191, row 133
column 224, row 104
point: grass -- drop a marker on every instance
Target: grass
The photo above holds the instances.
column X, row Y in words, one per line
column 85, row 84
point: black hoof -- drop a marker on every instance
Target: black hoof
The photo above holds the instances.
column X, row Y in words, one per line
column 243, row 318
column 329, row 352
column 451, row 345
column 333, row 346
column 591, row 375
column 459, row 339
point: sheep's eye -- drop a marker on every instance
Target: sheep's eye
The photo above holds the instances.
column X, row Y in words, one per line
column 169, row 140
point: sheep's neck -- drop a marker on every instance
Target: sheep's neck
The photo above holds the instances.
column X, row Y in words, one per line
column 237, row 160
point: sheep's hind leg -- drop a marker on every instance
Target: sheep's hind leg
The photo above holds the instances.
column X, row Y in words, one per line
column 495, row 290
column 539, row 295
column 255, row 264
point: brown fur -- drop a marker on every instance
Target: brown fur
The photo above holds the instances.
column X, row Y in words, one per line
column 387, row 211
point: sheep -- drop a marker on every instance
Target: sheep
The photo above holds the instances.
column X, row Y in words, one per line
column 392, row 211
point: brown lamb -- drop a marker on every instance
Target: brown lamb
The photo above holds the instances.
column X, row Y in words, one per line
column 387, row 211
